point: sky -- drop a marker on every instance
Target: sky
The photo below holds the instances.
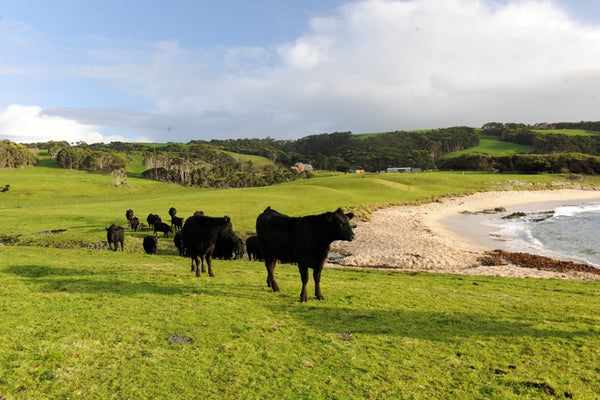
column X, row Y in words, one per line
column 175, row 71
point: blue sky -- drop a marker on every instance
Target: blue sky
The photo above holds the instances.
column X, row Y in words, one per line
column 98, row 71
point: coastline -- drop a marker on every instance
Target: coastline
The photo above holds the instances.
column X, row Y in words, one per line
column 418, row 238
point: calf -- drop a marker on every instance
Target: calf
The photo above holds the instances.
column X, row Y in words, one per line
column 150, row 243
column 134, row 223
column 178, row 240
column 162, row 227
column 199, row 236
column 227, row 248
column 177, row 223
column 239, row 249
column 301, row 240
column 115, row 235
column 153, row 219
column 253, row 249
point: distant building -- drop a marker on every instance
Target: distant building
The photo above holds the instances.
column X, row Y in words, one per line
column 302, row 167
column 358, row 171
column 399, row 169
column 403, row 169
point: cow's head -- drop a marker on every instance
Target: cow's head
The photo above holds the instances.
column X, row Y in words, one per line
column 339, row 225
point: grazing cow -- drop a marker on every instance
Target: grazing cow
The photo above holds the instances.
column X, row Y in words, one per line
column 150, row 243
column 134, row 223
column 177, row 223
column 115, row 235
column 129, row 214
column 6, row 188
column 239, row 249
column 153, row 219
column 301, row 240
column 227, row 248
column 162, row 227
column 200, row 234
column 178, row 240
column 253, row 249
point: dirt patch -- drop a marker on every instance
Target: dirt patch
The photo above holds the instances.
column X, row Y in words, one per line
column 51, row 232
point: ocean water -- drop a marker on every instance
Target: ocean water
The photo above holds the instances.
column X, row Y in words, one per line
column 569, row 231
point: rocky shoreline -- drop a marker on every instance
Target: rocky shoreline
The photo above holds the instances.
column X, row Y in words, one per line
column 413, row 237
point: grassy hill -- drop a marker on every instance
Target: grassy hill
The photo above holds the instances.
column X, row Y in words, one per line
column 80, row 321
column 569, row 132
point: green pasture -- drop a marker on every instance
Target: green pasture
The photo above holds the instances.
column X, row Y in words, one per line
column 82, row 204
column 80, row 321
column 493, row 146
column 96, row 324
column 568, row 132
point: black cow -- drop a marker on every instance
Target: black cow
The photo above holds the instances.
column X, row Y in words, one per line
column 172, row 211
column 115, row 235
column 129, row 214
column 227, row 248
column 134, row 223
column 150, row 243
column 239, row 249
column 178, row 240
column 6, row 188
column 162, row 227
column 176, row 223
column 200, row 234
column 253, row 249
column 301, row 240
column 153, row 219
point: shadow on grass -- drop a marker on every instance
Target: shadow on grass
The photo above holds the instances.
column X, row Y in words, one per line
column 432, row 325
column 72, row 280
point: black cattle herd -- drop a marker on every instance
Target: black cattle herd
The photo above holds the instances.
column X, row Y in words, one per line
column 304, row 241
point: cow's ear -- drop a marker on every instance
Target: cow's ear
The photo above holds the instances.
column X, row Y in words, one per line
column 350, row 215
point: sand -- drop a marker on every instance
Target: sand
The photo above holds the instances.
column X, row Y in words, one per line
column 415, row 238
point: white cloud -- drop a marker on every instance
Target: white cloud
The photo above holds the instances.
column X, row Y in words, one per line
column 28, row 124
column 372, row 65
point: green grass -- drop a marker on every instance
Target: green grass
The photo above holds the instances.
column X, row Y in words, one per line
column 493, row 146
column 569, row 132
column 257, row 161
column 362, row 136
column 82, row 322
column 96, row 324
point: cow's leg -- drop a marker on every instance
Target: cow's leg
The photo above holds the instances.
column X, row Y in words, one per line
column 116, row 246
column 195, row 263
column 200, row 265
column 270, row 264
column 208, row 262
column 317, row 278
column 203, row 267
column 304, row 276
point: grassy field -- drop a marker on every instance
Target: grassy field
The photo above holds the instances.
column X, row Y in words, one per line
column 569, row 132
column 83, row 322
column 491, row 145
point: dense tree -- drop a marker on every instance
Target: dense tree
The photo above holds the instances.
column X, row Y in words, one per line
column 15, row 155
column 82, row 158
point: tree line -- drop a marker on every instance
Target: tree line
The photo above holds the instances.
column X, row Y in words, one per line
column 83, row 158
column 543, row 143
column 15, row 155
column 343, row 151
column 204, row 165
column 525, row 163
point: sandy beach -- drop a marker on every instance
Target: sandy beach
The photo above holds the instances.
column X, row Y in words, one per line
column 415, row 237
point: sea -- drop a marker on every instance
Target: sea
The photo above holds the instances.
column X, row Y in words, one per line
column 568, row 230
